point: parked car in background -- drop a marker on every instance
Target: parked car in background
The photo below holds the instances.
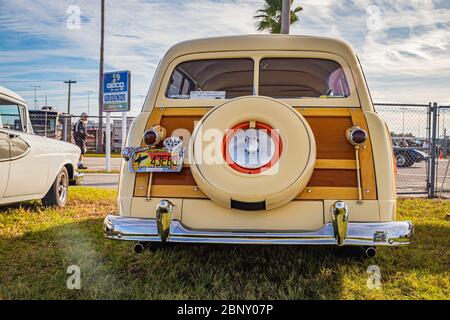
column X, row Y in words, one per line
column 268, row 139
column 407, row 156
column 31, row 166
column 50, row 123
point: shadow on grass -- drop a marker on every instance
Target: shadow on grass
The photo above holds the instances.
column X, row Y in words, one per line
column 34, row 267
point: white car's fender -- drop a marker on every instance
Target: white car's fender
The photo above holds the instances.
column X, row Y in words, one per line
column 32, row 175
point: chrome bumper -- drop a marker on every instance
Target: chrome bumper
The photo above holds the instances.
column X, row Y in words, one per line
column 78, row 179
column 358, row 234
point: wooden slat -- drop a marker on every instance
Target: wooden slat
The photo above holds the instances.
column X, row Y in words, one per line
column 174, row 191
column 313, row 193
column 176, row 112
column 327, row 193
column 368, row 182
column 333, row 178
column 179, row 123
column 184, row 177
column 335, row 164
column 141, row 184
column 323, row 112
column 316, row 112
column 329, row 133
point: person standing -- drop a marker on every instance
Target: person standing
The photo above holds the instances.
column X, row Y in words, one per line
column 79, row 136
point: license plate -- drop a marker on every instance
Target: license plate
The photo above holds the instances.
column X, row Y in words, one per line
column 156, row 160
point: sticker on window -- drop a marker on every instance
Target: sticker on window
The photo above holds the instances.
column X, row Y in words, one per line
column 207, row 94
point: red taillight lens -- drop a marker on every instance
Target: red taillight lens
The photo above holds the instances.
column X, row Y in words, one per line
column 356, row 136
column 359, row 136
column 150, row 137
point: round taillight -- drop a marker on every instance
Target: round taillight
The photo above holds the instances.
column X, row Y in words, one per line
column 154, row 135
column 356, row 135
column 150, row 137
column 126, row 153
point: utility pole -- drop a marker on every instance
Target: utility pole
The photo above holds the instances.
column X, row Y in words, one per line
column 285, row 16
column 69, row 82
column 35, row 99
column 100, row 81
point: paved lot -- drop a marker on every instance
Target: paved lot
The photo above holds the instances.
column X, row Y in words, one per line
column 101, row 180
column 413, row 179
column 99, row 163
column 408, row 180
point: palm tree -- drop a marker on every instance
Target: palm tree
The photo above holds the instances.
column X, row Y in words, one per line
column 269, row 18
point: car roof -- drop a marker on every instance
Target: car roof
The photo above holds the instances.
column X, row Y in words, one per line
column 7, row 94
column 272, row 42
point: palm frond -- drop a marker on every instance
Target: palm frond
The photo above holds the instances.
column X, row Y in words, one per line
column 269, row 18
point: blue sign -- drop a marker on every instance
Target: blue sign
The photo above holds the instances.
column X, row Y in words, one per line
column 116, row 91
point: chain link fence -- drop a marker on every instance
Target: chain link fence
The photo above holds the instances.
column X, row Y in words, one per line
column 409, row 127
column 419, row 133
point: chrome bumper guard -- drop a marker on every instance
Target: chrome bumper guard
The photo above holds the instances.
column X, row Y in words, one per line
column 78, row 179
column 339, row 232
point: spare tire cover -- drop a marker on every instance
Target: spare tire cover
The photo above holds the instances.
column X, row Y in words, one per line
column 274, row 185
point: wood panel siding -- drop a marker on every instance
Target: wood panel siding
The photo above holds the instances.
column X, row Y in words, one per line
column 172, row 178
column 333, row 178
column 179, row 122
column 335, row 170
column 329, row 133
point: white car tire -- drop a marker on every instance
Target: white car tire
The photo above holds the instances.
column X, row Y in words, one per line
column 57, row 195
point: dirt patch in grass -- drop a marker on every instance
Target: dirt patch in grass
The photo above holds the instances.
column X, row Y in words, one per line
column 38, row 244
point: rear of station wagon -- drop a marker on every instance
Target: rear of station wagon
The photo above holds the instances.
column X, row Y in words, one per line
column 259, row 139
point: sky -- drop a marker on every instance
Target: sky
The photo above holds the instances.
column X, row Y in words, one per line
column 403, row 45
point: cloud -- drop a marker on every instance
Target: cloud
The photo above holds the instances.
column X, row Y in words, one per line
column 137, row 34
column 412, row 40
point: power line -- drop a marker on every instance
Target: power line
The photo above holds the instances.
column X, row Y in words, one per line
column 25, row 81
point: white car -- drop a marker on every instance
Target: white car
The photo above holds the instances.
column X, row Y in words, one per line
column 31, row 166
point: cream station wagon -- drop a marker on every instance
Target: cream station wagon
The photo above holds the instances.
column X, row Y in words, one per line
column 264, row 139
column 31, row 166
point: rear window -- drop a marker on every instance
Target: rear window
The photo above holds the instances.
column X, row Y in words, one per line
column 302, row 78
column 211, row 79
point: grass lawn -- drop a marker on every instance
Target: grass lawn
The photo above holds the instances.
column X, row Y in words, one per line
column 37, row 245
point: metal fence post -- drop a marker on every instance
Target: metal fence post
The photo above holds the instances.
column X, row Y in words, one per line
column 428, row 139
column 433, row 140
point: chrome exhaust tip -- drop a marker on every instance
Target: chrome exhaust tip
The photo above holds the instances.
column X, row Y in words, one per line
column 339, row 217
column 140, row 247
column 370, row 252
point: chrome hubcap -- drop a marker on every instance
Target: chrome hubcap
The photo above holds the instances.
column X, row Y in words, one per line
column 62, row 187
column 401, row 160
